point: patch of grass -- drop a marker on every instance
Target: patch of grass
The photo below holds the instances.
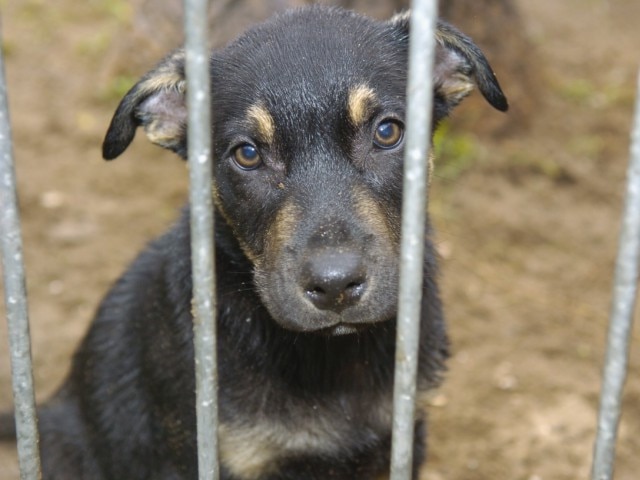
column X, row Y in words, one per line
column 455, row 153
column 43, row 19
column 32, row 8
column 523, row 164
column 95, row 45
column 587, row 146
column 8, row 48
column 585, row 93
column 620, row 95
column 120, row 10
column 117, row 88
column 579, row 91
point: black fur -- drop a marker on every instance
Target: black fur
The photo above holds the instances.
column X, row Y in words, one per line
column 305, row 382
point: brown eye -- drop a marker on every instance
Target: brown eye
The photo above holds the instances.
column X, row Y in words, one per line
column 388, row 134
column 247, row 157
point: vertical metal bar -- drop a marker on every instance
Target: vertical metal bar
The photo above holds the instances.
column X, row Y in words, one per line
column 16, row 299
column 202, row 228
column 418, row 136
column 623, row 303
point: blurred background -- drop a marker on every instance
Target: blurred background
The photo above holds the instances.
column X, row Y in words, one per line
column 527, row 208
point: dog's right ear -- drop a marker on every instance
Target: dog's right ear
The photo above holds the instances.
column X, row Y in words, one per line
column 158, row 103
column 459, row 66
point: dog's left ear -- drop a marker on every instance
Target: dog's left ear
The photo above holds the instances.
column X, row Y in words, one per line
column 459, row 66
column 157, row 103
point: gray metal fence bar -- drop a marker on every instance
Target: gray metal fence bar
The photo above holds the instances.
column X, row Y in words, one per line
column 202, row 248
column 623, row 303
column 418, row 135
column 16, row 299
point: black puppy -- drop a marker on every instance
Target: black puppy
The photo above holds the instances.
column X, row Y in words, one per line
column 308, row 113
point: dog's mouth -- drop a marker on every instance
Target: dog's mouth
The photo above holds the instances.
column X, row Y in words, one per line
column 342, row 328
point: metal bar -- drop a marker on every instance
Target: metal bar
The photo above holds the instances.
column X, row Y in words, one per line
column 418, row 136
column 16, row 299
column 623, row 304
column 202, row 228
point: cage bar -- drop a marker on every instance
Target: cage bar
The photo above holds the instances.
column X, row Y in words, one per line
column 415, row 193
column 621, row 320
column 202, row 228
column 15, row 294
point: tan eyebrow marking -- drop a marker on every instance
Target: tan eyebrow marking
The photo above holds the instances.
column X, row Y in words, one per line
column 263, row 121
column 359, row 104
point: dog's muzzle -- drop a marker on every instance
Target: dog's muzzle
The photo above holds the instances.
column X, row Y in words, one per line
column 333, row 288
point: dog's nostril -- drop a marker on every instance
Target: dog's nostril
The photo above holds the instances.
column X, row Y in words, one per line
column 316, row 291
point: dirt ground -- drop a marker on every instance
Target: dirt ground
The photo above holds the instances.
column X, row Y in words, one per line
column 527, row 222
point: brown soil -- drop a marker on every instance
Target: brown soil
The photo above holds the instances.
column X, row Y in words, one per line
column 527, row 224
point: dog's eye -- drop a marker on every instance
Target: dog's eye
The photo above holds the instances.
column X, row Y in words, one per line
column 247, row 157
column 388, row 134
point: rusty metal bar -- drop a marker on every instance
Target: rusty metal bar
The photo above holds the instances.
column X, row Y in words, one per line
column 15, row 294
column 202, row 228
column 418, row 136
column 621, row 321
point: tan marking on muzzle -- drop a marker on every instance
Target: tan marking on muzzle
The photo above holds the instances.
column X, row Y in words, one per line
column 251, row 255
column 280, row 233
column 374, row 216
column 260, row 117
column 360, row 102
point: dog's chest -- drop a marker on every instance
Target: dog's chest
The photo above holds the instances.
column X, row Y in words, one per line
column 260, row 443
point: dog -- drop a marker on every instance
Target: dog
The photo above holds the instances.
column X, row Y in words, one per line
column 308, row 123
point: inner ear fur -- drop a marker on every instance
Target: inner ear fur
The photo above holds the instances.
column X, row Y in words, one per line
column 157, row 103
column 459, row 65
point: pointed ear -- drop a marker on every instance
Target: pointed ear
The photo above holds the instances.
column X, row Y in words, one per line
column 157, row 103
column 459, row 66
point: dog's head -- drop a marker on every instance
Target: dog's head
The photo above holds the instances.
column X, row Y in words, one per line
column 308, row 120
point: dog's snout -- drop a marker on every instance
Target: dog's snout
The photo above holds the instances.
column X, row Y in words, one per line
column 334, row 279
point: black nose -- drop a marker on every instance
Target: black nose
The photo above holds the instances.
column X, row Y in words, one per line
column 334, row 279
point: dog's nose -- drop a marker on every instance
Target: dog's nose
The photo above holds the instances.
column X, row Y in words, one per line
column 334, row 279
